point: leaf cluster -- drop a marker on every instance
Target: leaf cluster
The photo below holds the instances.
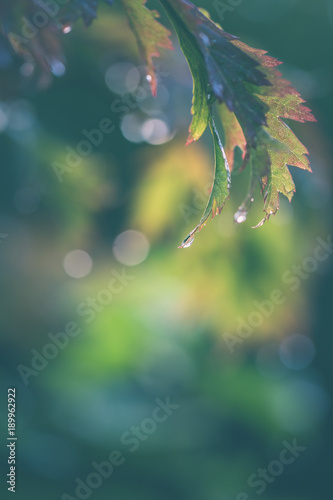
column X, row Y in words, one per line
column 232, row 81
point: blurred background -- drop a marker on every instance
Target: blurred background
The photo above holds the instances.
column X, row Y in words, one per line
column 170, row 326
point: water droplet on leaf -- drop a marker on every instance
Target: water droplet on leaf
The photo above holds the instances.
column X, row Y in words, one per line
column 149, row 78
column 205, row 39
column 67, row 28
column 187, row 242
column 242, row 212
column 240, row 216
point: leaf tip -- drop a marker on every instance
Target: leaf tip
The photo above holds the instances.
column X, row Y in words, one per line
column 151, row 79
column 190, row 140
column 188, row 241
column 261, row 223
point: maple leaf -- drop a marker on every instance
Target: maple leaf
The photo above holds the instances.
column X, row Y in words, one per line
column 276, row 145
column 253, row 99
column 149, row 33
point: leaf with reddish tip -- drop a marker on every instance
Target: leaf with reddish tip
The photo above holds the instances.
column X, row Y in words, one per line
column 276, row 146
column 292, row 151
column 288, row 106
column 283, row 148
column 151, row 35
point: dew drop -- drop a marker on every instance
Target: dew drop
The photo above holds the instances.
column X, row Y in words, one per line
column 149, row 78
column 205, row 39
column 187, row 242
column 67, row 28
column 240, row 216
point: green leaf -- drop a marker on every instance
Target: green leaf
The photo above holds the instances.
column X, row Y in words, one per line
column 149, row 33
column 200, row 104
column 220, row 188
column 277, row 139
column 226, row 68
column 253, row 100
column 290, row 152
